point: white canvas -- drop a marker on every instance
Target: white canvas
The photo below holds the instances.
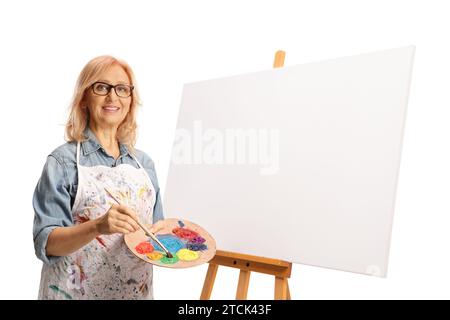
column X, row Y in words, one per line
column 317, row 183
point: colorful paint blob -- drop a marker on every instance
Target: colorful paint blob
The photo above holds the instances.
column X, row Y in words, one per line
column 185, row 244
column 188, row 255
column 198, row 239
column 58, row 290
column 155, row 255
column 196, row 246
column 144, row 247
column 171, row 242
column 167, row 260
column 185, row 233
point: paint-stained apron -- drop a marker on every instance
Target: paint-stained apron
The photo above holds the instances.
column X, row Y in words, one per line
column 104, row 268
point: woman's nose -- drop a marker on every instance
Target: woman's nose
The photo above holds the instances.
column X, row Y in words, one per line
column 111, row 96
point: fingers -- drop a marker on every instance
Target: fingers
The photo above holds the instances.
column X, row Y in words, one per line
column 108, row 225
column 123, row 227
column 121, row 230
column 158, row 226
column 128, row 211
column 122, row 219
column 128, row 221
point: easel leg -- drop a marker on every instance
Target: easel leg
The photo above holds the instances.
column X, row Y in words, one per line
column 242, row 290
column 287, row 288
column 247, row 264
column 281, row 289
column 209, row 282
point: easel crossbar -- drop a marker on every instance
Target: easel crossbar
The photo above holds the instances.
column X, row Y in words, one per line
column 278, row 268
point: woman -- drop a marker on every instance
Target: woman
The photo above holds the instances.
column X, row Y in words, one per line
column 78, row 228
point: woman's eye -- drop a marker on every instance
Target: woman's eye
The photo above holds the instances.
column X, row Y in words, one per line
column 124, row 90
column 102, row 87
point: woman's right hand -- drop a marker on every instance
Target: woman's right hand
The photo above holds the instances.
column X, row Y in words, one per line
column 118, row 219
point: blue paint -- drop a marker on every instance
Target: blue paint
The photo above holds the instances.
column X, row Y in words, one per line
column 181, row 223
column 171, row 242
column 196, row 246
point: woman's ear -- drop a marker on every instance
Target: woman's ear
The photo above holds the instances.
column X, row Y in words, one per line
column 84, row 103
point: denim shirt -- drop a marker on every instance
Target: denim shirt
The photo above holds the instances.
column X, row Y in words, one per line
column 55, row 191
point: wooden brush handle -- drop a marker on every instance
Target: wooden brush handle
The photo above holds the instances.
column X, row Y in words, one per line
column 151, row 235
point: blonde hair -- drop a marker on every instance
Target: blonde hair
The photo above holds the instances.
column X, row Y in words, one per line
column 78, row 113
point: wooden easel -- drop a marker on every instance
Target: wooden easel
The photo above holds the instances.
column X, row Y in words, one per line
column 247, row 263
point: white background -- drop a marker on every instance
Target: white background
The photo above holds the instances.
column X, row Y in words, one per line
column 44, row 45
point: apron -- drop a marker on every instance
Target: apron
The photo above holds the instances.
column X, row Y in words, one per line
column 104, row 268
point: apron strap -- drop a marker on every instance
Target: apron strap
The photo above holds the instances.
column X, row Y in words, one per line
column 78, row 153
column 137, row 161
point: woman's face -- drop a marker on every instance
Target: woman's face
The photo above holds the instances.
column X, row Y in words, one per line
column 109, row 110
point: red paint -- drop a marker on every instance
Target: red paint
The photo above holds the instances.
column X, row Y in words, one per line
column 82, row 219
column 185, row 233
column 101, row 241
column 144, row 247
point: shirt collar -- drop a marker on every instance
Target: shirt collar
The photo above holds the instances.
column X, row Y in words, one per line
column 91, row 144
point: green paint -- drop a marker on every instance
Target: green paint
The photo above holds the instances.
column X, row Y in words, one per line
column 167, row 260
column 58, row 290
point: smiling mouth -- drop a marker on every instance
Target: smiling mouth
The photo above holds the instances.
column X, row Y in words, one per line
column 110, row 108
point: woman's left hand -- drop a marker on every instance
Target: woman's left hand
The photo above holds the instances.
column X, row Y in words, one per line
column 157, row 226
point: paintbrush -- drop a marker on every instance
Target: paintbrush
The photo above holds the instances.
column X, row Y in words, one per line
column 147, row 232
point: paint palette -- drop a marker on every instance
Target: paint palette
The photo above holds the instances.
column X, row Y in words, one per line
column 189, row 244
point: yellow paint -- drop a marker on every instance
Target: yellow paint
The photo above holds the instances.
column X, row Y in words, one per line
column 155, row 255
column 141, row 191
column 187, row 255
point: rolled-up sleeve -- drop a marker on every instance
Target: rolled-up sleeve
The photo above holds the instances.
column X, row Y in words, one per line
column 51, row 203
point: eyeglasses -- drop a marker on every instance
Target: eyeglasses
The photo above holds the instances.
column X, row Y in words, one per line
column 103, row 89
